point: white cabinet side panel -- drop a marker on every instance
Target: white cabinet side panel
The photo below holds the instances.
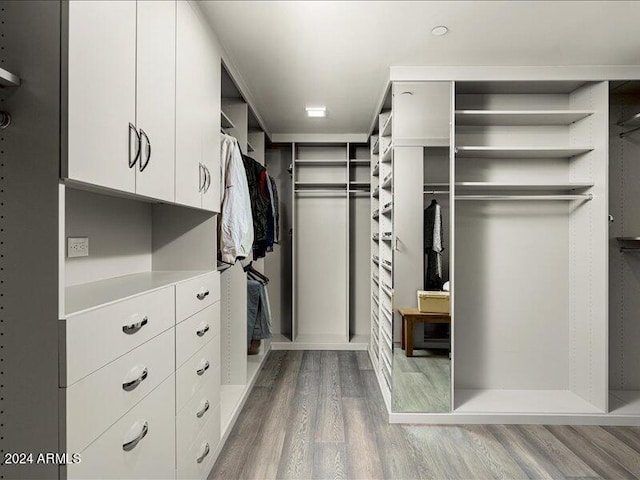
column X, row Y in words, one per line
column 321, row 255
column 233, row 326
column 102, row 92
column 360, row 265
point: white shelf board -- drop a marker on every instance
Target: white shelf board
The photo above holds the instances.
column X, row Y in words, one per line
column 387, row 209
column 336, row 185
column 483, row 186
column 387, row 181
column 521, row 401
column 225, row 121
column 386, row 129
column 86, row 296
column 323, row 342
column 8, row 79
column 376, row 146
column 250, row 147
column 359, row 162
column 387, row 155
column 633, row 121
column 624, row 402
column 520, row 117
column 321, row 163
column 519, row 152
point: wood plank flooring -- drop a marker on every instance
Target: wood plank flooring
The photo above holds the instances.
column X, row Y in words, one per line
column 320, row 415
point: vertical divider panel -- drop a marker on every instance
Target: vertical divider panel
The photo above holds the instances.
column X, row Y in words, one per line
column 294, row 278
column 452, row 236
column 347, row 272
column 589, row 244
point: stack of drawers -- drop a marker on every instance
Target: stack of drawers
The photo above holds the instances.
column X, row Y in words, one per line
column 140, row 384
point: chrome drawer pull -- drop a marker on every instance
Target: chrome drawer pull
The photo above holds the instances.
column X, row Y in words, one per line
column 204, row 454
column 132, row 444
column 203, row 330
column 202, row 295
column 204, row 409
column 128, row 386
column 134, row 327
column 203, row 369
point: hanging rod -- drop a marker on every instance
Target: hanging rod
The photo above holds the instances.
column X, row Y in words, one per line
column 584, row 197
column 308, row 190
column 435, row 192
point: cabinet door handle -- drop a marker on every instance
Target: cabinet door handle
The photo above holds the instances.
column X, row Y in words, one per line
column 202, row 295
column 203, row 330
column 204, row 454
column 146, row 161
column 132, row 128
column 207, row 178
column 132, row 444
column 205, row 407
column 201, row 177
column 134, row 327
column 128, row 386
column 203, row 369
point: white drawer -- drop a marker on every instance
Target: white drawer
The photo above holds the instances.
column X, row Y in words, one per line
column 196, row 331
column 196, row 413
column 152, row 457
column 194, row 295
column 191, row 376
column 98, row 400
column 197, row 460
column 95, row 338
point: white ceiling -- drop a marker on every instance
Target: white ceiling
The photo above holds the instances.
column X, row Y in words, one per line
column 292, row 54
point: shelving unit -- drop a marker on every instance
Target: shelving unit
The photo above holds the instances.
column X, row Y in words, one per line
column 225, row 121
column 547, row 156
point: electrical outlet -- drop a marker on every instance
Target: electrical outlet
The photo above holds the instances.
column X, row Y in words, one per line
column 77, row 247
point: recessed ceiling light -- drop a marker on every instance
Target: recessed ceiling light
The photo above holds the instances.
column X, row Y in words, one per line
column 316, row 112
column 439, row 31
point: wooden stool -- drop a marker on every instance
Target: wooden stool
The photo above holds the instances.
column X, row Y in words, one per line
column 409, row 318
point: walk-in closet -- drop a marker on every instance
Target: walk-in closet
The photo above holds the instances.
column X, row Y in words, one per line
column 247, row 239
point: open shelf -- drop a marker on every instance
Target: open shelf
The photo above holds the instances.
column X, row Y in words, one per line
column 8, row 79
column 386, row 156
column 321, row 163
column 519, row 117
column 489, row 186
column 250, row 147
column 376, row 192
column 331, row 185
column 225, row 121
column 387, row 181
column 385, row 131
column 521, row 402
column 624, row 402
column 359, row 163
column 359, row 185
column 376, row 169
column 388, row 208
column 518, row 197
column 376, row 146
column 633, row 121
column 519, row 152
column 86, row 296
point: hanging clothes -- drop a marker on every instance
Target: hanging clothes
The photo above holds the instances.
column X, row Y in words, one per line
column 260, row 206
column 433, row 246
column 258, row 312
column 236, row 222
column 276, row 211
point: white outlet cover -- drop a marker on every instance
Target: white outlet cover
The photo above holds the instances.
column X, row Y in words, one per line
column 77, row 247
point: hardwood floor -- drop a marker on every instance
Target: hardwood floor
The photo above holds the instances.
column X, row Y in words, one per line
column 320, row 415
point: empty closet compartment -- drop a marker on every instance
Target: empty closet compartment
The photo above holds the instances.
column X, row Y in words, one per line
column 133, row 246
column 624, row 251
column 530, row 228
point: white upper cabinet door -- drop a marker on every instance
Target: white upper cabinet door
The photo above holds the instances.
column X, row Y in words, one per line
column 102, row 93
column 211, row 134
column 190, row 41
column 156, row 98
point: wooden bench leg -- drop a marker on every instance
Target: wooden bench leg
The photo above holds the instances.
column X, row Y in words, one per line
column 409, row 338
column 402, row 342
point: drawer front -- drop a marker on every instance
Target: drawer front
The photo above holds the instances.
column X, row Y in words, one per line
column 191, row 376
column 197, row 294
column 196, row 331
column 95, row 338
column 98, row 400
column 196, row 413
column 153, row 456
column 198, row 460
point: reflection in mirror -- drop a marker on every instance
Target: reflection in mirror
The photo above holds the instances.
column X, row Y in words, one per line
column 422, row 364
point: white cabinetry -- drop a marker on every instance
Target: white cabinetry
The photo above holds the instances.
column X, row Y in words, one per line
column 198, row 120
column 102, row 93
